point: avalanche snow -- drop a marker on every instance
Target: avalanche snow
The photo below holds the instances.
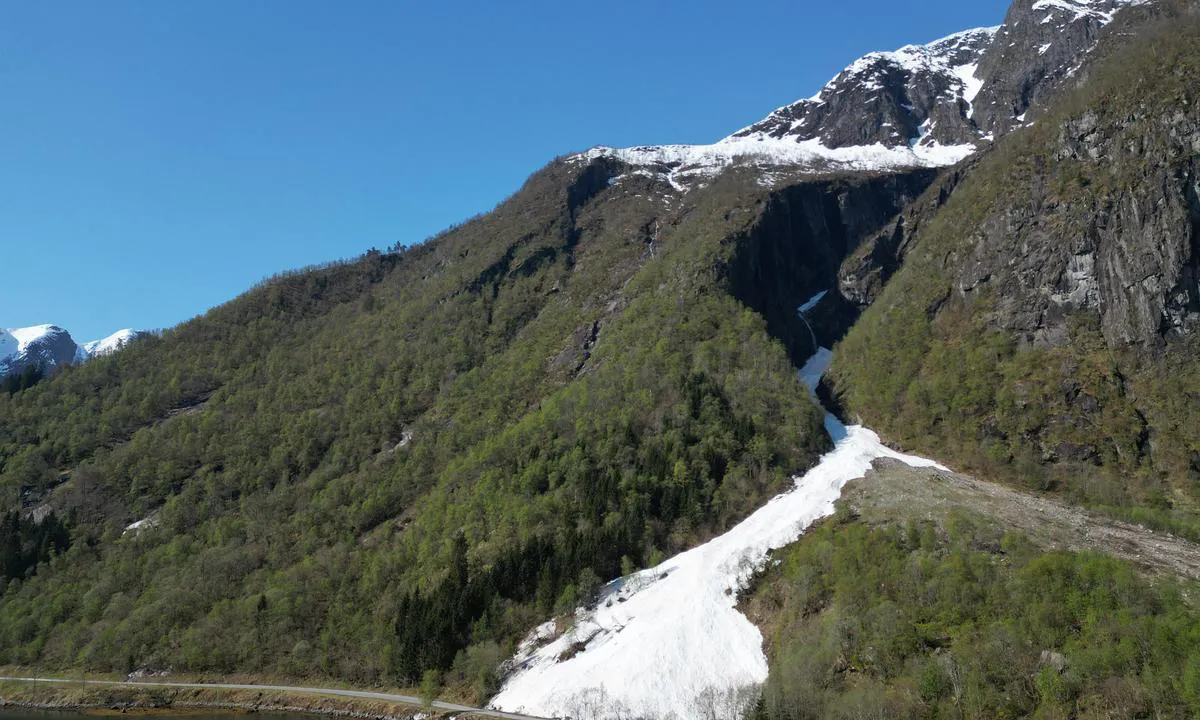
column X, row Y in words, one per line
column 668, row 641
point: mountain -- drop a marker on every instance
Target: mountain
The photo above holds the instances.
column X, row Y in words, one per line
column 49, row 347
column 46, row 345
column 578, row 455
column 1062, row 274
column 929, row 105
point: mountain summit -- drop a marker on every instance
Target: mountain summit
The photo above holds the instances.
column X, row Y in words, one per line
column 930, row 105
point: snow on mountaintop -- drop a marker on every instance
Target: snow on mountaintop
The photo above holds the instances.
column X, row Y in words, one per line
column 927, row 105
column 952, row 55
column 45, row 346
column 15, row 342
column 110, row 344
column 50, row 346
column 25, row 336
column 669, row 642
column 882, row 100
column 683, row 163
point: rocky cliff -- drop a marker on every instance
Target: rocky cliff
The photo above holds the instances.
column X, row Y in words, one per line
column 1042, row 324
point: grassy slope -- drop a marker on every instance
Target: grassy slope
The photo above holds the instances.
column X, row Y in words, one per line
column 947, row 614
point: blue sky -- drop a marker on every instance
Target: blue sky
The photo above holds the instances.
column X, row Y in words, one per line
column 158, row 158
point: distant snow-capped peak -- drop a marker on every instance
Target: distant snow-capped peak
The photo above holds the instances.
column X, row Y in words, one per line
column 108, row 345
column 51, row 347
column 46, row 345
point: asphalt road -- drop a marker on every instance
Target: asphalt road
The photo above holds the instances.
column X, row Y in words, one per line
column 365, row 694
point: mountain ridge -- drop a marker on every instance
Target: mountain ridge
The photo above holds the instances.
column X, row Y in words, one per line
column 927, row 105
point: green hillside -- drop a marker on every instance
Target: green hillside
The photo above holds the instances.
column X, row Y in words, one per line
column 365, row 469
column 401, row 463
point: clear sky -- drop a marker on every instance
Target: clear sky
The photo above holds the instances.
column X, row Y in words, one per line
column 158, row 158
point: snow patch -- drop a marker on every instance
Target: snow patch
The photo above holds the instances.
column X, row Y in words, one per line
column 971, row 85
column 685, row 166
column 25, row 336
column 1102, row 10
column 147, row 523
column 813, row 302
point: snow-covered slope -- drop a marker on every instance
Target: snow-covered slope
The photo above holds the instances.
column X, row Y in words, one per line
column 669, row 642
column 50, row 347
column 926, row 105
column 107, row 345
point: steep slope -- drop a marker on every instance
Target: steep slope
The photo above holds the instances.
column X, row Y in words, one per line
column 919, row 96
column 480, row 417
column 1041, row 45
column 1043, row 325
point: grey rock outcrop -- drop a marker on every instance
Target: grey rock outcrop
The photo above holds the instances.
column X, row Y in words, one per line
column 1129, row 254
column 864, row 272
column 919, row 93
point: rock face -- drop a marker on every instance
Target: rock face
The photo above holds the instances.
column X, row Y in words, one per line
column 919, row 95
column 864, row 272
column 1128, row 254
column 794, row 251
column 1045, row 318
column 1041, row 43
